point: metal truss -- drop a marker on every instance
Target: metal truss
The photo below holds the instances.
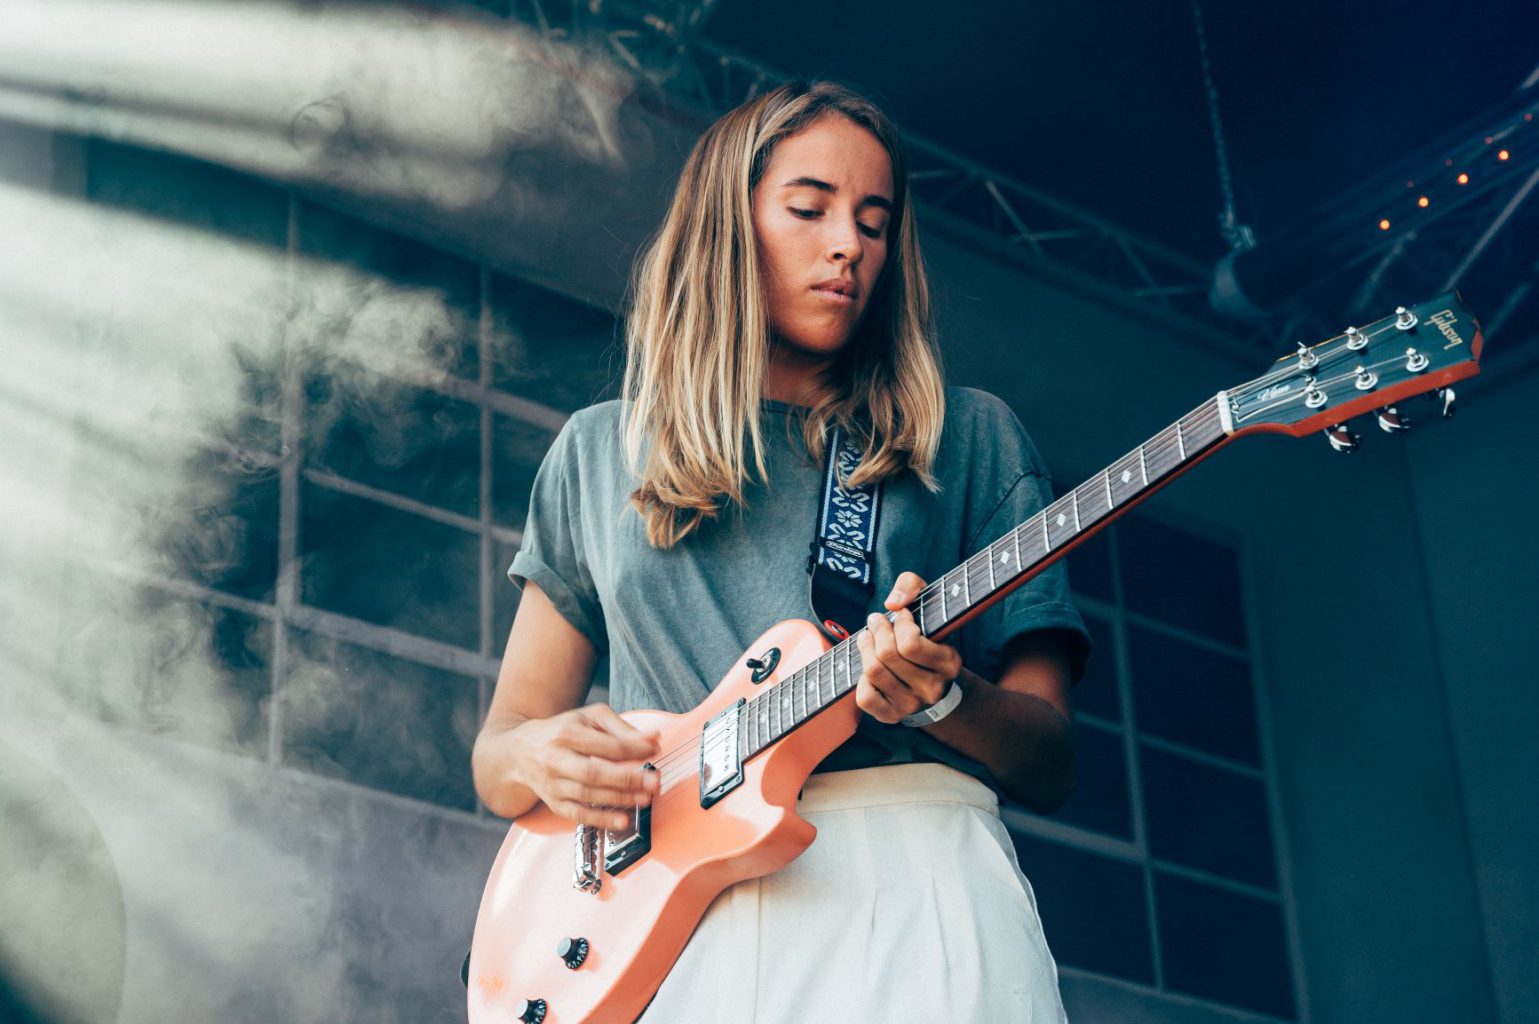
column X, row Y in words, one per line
column 660, row 40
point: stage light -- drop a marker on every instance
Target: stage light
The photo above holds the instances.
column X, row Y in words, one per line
column 1384, row 224
column 1423, row 202
column 1503, row 155
column 1464, row 179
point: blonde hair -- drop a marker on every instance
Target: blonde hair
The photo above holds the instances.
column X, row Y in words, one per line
column 698, row 335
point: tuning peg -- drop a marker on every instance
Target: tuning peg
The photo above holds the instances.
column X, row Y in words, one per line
column 1447, row 395
column 1342, row 439
column 1390, row 420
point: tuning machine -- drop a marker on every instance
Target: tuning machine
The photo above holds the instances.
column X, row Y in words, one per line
column 1342, row 439
column 1446, row 396
column 1390, row 420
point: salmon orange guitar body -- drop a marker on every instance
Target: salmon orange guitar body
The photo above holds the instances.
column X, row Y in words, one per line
column 636, row 922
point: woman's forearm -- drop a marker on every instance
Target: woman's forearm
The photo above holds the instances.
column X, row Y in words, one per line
column 1025, row 742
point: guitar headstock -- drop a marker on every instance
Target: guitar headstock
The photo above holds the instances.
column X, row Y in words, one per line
column 1418, row 350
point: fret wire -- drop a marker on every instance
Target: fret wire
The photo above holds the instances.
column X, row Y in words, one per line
column 993, row 586
column 1047, row 544
column 775, row 710
column 1074, row 494
column 967, row 590
column 922, row 627
column 797, row 691
column 1180, row 444
column 1016, row 535
column 1143, row 466
column 753, row 731
column 945, row 616
column 1106, row 477
column 846, row 667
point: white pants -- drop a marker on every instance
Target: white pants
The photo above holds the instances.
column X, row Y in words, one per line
column 909, row 906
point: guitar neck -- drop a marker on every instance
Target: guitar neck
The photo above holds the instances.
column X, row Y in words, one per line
column 993, row 572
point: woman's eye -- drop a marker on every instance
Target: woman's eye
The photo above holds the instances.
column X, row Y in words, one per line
column 870, row 232
column 804, row 214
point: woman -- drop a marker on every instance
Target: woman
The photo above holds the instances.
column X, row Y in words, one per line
column 783, row 295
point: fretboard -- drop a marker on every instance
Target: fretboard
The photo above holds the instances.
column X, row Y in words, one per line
column 994, row 571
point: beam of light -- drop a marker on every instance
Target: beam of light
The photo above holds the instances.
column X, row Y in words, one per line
column 475, row 134
column 378, row 100
column 127, row 344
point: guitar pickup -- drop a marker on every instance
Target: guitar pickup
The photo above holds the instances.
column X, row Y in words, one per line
column 623, row 847
column 721, row 762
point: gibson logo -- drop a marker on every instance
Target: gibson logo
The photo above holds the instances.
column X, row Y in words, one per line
column 1444, row 322
column 1275, row 391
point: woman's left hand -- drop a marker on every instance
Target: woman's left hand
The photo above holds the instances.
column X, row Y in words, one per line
column 902, row 669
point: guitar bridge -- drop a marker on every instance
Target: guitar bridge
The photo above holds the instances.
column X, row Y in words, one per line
column 585, row 866
column 721, row 762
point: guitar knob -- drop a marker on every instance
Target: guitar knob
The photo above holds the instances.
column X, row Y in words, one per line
column 572, row 952
column 530, row 1011
column 1404, row 318
column 1390, row 420
column 1342, row 439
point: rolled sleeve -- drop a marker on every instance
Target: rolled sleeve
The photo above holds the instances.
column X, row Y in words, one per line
column 554, row 552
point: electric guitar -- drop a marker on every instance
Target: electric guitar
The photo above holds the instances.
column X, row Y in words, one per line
column 582, row 924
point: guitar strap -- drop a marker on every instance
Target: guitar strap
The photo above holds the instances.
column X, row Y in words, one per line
column 843, row 549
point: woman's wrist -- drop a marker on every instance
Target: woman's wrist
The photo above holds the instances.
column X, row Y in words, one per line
column 937, row 711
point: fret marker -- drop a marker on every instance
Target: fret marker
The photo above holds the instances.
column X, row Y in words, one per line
column 1004, row 556
column 955, row 590
column 1127, row 474
column 1062, row 519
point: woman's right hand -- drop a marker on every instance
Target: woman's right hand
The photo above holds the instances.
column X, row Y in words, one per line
column 573, row 762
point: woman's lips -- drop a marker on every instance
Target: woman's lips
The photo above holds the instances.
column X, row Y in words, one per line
column 829, row 294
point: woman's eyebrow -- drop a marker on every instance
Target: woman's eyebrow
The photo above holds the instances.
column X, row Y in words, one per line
column 822, row 186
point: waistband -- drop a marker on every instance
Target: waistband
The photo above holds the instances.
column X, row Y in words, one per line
column 890, row 784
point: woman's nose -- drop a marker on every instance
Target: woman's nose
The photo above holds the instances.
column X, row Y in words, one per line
column 845, row 243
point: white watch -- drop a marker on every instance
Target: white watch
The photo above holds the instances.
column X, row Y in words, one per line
column 935, row 712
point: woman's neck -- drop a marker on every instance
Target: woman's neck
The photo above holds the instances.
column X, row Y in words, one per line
column 795, row 378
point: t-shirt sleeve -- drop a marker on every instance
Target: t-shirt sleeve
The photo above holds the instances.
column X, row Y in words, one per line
column 554, row 553
column 1010, row 486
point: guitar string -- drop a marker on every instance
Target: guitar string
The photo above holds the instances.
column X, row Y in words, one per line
column 1155, row 449
column 1383, row 327
column 672, row 769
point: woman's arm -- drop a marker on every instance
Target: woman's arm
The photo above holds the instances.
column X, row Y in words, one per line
column 1020, row 728
column 540, row 743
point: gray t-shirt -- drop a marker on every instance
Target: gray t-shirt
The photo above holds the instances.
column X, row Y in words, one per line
column 673, row 622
